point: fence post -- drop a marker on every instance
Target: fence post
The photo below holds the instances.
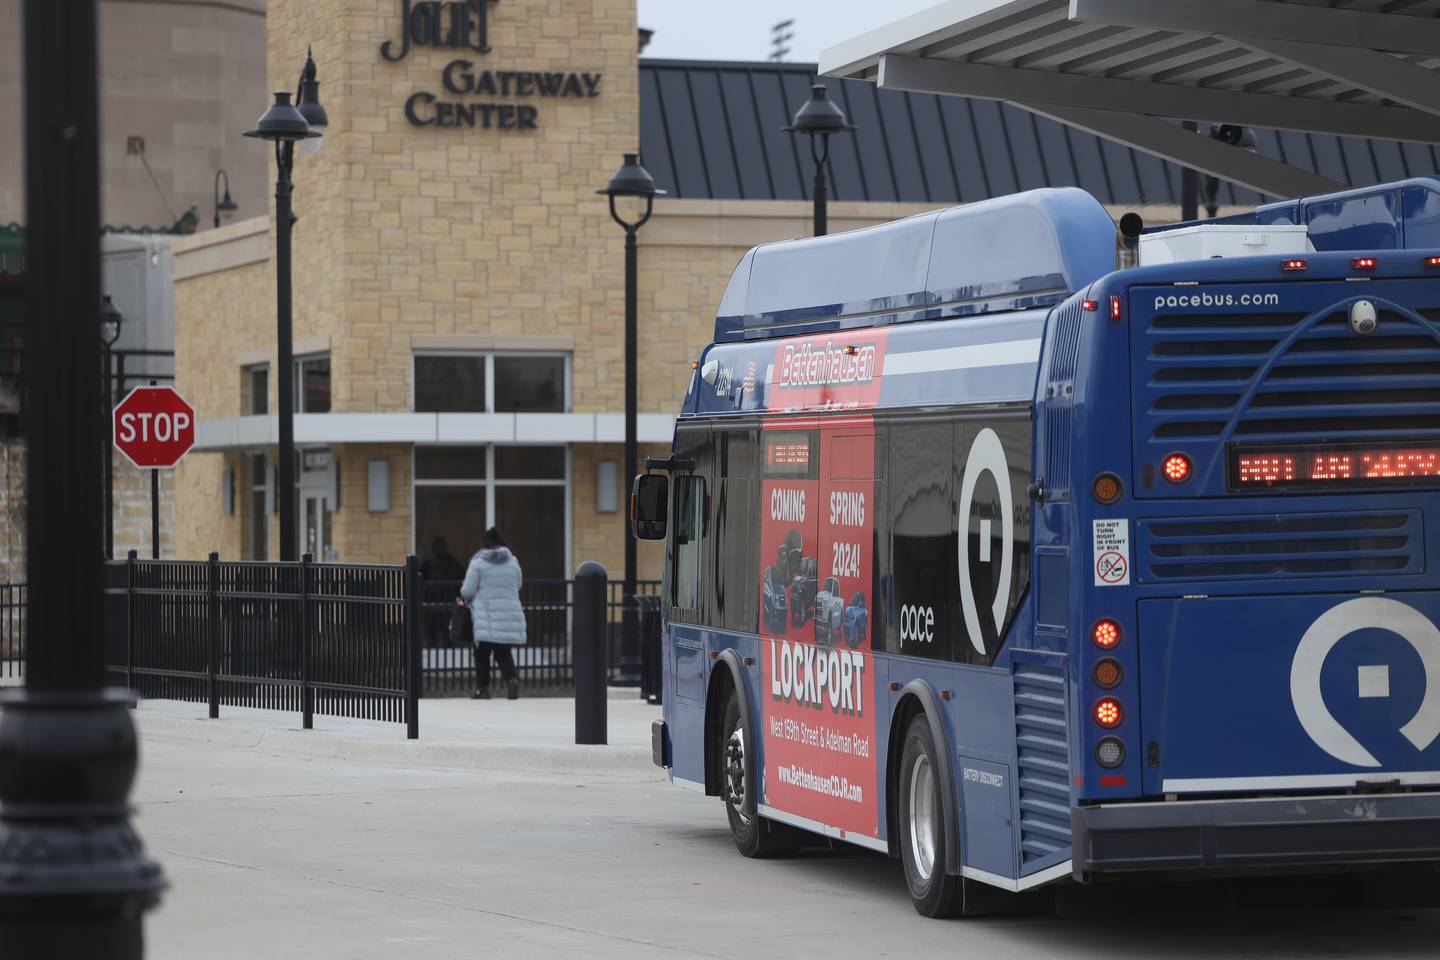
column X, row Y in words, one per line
column 414, row 628
column 307, row 695
column 591, row 653
column 212, row 634
column 130, row 613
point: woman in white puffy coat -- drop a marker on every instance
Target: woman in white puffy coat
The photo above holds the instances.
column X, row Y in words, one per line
column 492, row 591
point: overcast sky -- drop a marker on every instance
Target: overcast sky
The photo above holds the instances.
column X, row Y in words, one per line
column 740, row 29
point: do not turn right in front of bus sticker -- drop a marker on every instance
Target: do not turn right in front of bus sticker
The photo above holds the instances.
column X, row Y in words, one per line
column 1112, row 553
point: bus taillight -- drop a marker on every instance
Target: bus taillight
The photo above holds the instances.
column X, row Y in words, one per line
column 1176, row 468
column 1105, row 633
column 1108, row 712
column 1114, row 308
column 1108, row 673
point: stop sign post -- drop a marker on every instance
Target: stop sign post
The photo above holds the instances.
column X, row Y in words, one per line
column 154, row 427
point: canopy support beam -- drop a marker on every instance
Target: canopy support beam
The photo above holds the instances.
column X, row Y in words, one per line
column 1278, row 21
column 1173, row 142
column 1380, row 73
column 1156, row 100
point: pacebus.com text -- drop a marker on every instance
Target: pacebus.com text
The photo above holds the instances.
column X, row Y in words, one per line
column 1217, row 300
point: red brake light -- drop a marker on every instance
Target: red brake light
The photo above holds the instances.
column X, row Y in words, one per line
column 1092, row 305
column 1108, row 712
column 1114, row 308
column 1105, row 634
column 1365, row 263
column 1292, row 265
column 1176, row 468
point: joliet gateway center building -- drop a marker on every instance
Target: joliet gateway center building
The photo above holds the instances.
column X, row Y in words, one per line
column 459, row 285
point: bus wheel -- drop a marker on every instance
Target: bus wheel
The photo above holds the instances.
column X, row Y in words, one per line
column 935, row 892
column 754, row 836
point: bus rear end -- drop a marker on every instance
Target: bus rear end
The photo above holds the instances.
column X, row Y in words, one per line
column 1243, row 457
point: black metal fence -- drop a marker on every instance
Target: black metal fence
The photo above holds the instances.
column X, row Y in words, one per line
column 338, row 639
column 348, row 640
column 12, row 630
column 546, row 662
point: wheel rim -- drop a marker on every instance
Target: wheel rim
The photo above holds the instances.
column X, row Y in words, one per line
column 735, row 785
column 922, row 816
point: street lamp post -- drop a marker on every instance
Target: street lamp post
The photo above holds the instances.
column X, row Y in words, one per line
column 224, row 207
column 284, row 125
column 631, row 180
column 111, row 321
column 74, row 877
column 818, row 119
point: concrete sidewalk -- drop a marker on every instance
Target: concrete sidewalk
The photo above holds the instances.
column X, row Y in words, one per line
column 530, row 735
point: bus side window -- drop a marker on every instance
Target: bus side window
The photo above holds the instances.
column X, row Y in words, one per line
column 689, row 502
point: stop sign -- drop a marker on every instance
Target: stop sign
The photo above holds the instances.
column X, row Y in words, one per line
column 154, row 426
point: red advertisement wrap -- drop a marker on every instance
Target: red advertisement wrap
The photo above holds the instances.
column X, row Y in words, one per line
column 834, row 371
column 818, row 685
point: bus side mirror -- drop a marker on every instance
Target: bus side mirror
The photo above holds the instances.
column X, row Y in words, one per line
column 649, row 502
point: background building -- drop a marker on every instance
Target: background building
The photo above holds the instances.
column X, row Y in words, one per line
column 459, row 286
column 178, row 83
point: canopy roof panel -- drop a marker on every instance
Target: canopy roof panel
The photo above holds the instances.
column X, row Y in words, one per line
column 1124, row 68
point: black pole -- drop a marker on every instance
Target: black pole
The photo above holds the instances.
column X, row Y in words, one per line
column 591, row 597
column 154, row 509
column 629, row 622
column 285, row 379
column 1189, row 185
column 74, row 879
column 822, row 212
column 109, row 404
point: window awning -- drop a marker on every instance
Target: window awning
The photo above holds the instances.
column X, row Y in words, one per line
column 1126, row 69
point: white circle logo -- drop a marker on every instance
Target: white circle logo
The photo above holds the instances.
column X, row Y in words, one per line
column 987, row 455
column 1330, row 628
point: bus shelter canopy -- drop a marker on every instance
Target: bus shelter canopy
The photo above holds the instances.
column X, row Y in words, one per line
column 1127, row 69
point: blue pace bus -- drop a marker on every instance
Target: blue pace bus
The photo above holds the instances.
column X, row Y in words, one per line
column 1024, row 569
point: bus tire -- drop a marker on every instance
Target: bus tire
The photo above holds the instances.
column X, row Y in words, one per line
column 754, row 836
column 933, row 889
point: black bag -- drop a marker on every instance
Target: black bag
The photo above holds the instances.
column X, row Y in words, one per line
column 461, row 630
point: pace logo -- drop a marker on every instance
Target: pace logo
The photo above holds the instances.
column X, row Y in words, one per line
column 987, row 455
column 1334, row 625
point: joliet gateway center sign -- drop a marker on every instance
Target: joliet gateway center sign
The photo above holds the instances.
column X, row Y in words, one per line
column 472, row 96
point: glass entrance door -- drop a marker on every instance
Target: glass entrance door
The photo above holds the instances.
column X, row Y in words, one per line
column 315, row 527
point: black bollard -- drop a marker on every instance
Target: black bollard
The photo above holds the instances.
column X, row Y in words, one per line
column 591, row 661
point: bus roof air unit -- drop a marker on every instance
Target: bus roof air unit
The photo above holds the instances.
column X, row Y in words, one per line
column 1011, row 253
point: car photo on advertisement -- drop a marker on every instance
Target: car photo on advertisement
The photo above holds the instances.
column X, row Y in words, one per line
column 829, row 609
column 802, row 591
column 855, row 621
column 773, row 601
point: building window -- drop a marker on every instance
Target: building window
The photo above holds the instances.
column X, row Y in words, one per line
column 460, row 491
column 530, row 384
column 255, row 390
column 312, row 384
column 259, row 534
column 450, row 384
column 491, row 383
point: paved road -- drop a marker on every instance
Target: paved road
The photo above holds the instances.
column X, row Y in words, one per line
column 278, row 858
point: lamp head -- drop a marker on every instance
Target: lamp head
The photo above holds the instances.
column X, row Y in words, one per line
column 308, row 103
column 632, row 180
column 282, row 122
column 111, row 320
column 820, row 116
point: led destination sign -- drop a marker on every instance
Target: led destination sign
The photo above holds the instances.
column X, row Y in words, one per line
column 1335, row 465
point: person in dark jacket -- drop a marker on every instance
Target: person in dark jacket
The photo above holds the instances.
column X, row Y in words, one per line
column 492, row 589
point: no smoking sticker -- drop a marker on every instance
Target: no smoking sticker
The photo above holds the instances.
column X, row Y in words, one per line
column 1112, row 553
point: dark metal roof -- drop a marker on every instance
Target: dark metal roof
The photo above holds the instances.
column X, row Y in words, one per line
column 711, row 129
